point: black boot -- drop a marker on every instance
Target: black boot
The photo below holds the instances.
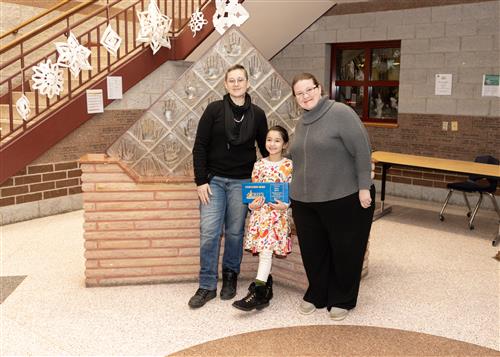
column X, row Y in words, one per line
column 269, row 285
column 229, row 282
column 257, row 298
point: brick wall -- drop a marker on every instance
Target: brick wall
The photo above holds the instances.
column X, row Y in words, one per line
column 136, row 233
column 41, row 182
column 149, row 232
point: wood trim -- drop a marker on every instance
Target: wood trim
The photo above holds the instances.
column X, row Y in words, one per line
column 464, row 167
column 46, row 26
column 34, row 18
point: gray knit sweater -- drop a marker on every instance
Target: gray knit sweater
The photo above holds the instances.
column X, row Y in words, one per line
column 331, row 154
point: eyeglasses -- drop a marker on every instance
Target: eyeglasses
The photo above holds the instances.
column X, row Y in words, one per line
column 233, row 81
column 308, row 91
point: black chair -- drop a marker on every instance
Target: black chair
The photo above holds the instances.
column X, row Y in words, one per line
column 475, row 183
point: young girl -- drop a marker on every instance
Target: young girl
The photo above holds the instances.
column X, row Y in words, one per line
column 269, row 227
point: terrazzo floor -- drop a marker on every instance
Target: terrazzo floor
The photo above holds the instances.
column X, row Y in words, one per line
column 426, row 276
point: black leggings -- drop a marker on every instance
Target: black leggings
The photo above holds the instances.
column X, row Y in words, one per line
column 332, row 237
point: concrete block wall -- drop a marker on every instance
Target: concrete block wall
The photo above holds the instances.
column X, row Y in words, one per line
column 462, row 39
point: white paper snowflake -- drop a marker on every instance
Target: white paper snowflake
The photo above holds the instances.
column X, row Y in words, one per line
column 154, row 27
column 48, row 78
column 228, row 13
column 197, row 21
column 111, row 41
column 73, row 55
column 23, row 107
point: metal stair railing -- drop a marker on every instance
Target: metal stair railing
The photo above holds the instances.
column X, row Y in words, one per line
column 121, row 14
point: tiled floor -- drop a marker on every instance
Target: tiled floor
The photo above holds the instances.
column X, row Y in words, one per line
column 425, row 275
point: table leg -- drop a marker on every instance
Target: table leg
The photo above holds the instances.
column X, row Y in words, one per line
column 383, row 210
column 497, row 238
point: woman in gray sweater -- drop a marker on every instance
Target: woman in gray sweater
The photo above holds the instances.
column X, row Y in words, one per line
column 333, row 198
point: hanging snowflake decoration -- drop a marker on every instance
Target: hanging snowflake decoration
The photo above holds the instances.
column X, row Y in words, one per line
column 197, row 21
column 48, row 78
column 111, row 41
column 23, row 107
column 72, row 55
column 228, row 13
column 154, row 27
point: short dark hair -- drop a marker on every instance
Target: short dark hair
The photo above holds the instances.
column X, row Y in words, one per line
column 235, row 67
column 302, row 77
column 282, row 131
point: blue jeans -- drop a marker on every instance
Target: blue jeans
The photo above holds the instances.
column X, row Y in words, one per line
column 227, row 210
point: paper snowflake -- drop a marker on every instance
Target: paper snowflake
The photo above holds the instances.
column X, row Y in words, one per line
column 23, row 107
column 48, row 78
column 110, row 40
column 154, row 27
column 228, row 13
column 72, row 55
column 197, row 21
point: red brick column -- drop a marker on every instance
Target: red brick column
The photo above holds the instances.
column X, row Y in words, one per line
column 139, row 232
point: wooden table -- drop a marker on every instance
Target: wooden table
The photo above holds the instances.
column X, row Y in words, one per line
column 387, row 159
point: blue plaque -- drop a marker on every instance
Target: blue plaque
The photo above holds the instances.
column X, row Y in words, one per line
column 271, row 191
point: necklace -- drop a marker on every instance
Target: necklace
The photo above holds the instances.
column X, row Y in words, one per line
column 239, row 121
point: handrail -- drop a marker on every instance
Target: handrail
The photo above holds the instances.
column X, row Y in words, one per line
column 124, row 21
column 34, row 18
column 44, row 27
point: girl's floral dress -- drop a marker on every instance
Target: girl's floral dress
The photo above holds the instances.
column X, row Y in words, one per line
column 269, row 229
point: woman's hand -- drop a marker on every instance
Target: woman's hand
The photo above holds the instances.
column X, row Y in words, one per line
column 279, row 205
column 256, row 203
column 204, row 193
column 365, row 198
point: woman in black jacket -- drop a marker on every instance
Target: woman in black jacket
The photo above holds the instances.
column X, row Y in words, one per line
column 223, row 157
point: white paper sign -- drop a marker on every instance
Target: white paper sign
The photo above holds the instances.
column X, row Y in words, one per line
column 115, row 87
column 443, row 84
column 491, row 85
column 94, row 101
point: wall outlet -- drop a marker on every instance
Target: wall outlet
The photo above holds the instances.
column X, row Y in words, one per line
column 454, row 126
column 445, row 126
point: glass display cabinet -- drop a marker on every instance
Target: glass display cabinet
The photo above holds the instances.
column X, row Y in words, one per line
column 365, row 76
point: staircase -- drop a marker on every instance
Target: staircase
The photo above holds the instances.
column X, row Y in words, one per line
column 271, row 26
column 22, row 141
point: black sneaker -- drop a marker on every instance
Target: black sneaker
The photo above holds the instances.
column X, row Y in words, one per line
column 201, row 297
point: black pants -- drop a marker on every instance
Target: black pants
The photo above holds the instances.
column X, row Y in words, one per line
column 333, row 236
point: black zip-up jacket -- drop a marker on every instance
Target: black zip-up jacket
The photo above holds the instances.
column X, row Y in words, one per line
column 214, row 156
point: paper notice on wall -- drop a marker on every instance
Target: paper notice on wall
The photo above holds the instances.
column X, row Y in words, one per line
column 114, row 87
column 443, row 84
column 94, row 101
column 491, row 85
